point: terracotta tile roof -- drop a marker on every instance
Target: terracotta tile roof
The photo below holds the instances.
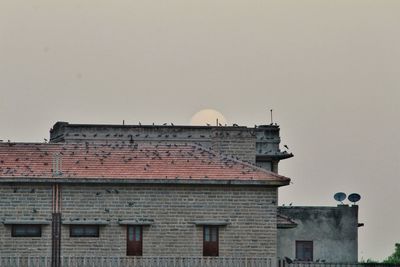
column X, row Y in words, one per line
column 126, row 161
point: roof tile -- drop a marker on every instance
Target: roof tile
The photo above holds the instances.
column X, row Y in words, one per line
column 126, row 161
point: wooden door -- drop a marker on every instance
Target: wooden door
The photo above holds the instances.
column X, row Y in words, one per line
column 210, row 241
column 134, row 240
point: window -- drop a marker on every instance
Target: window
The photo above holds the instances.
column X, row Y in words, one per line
column 304, row 250
column 28, row 230
column 84, row 231
column 210, row 241
column 134, row 240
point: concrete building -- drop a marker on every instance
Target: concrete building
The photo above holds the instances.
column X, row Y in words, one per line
column 117, row 190
column 321, row 234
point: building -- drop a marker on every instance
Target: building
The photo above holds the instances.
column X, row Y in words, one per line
column 320, row 234
column 152, row 190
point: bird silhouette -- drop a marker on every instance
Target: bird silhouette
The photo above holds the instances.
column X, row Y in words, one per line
column 286, row 146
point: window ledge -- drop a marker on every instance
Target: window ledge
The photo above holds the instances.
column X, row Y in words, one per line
column 218, row 223
column 42, row 222
column 86, row 222
column 136, row 222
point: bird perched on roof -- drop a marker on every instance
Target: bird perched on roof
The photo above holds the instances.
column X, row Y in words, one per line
column 286, row 146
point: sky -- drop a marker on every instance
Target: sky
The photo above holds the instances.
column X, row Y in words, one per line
column 329, row 69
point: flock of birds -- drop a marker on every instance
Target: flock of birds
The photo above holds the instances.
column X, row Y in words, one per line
column 109, row 139
column 90, row 155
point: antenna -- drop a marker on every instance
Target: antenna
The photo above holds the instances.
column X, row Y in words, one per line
column 340, row 196
column 272, row 121
column 217, row 121
column 354, row 197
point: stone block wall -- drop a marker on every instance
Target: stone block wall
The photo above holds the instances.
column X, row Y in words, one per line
column 250, row 210
column 236, row 143
column 25, row 202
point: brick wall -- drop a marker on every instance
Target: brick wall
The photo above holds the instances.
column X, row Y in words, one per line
column 25, row 202
column 251, row 211
column 237, row 143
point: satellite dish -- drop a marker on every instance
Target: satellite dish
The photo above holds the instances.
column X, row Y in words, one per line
column 354, row 197
column 340, row 196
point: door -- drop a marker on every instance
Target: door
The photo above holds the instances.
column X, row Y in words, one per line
column 134, row 240
column 210, row 241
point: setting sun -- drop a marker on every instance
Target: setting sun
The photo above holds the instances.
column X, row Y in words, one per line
column 208, row 116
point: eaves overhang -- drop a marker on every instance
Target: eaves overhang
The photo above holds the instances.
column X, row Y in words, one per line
column 275, row 157
column 209, row 181
column 286, row 226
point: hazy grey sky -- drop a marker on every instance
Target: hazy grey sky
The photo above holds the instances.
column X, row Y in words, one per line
column 330, row 70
